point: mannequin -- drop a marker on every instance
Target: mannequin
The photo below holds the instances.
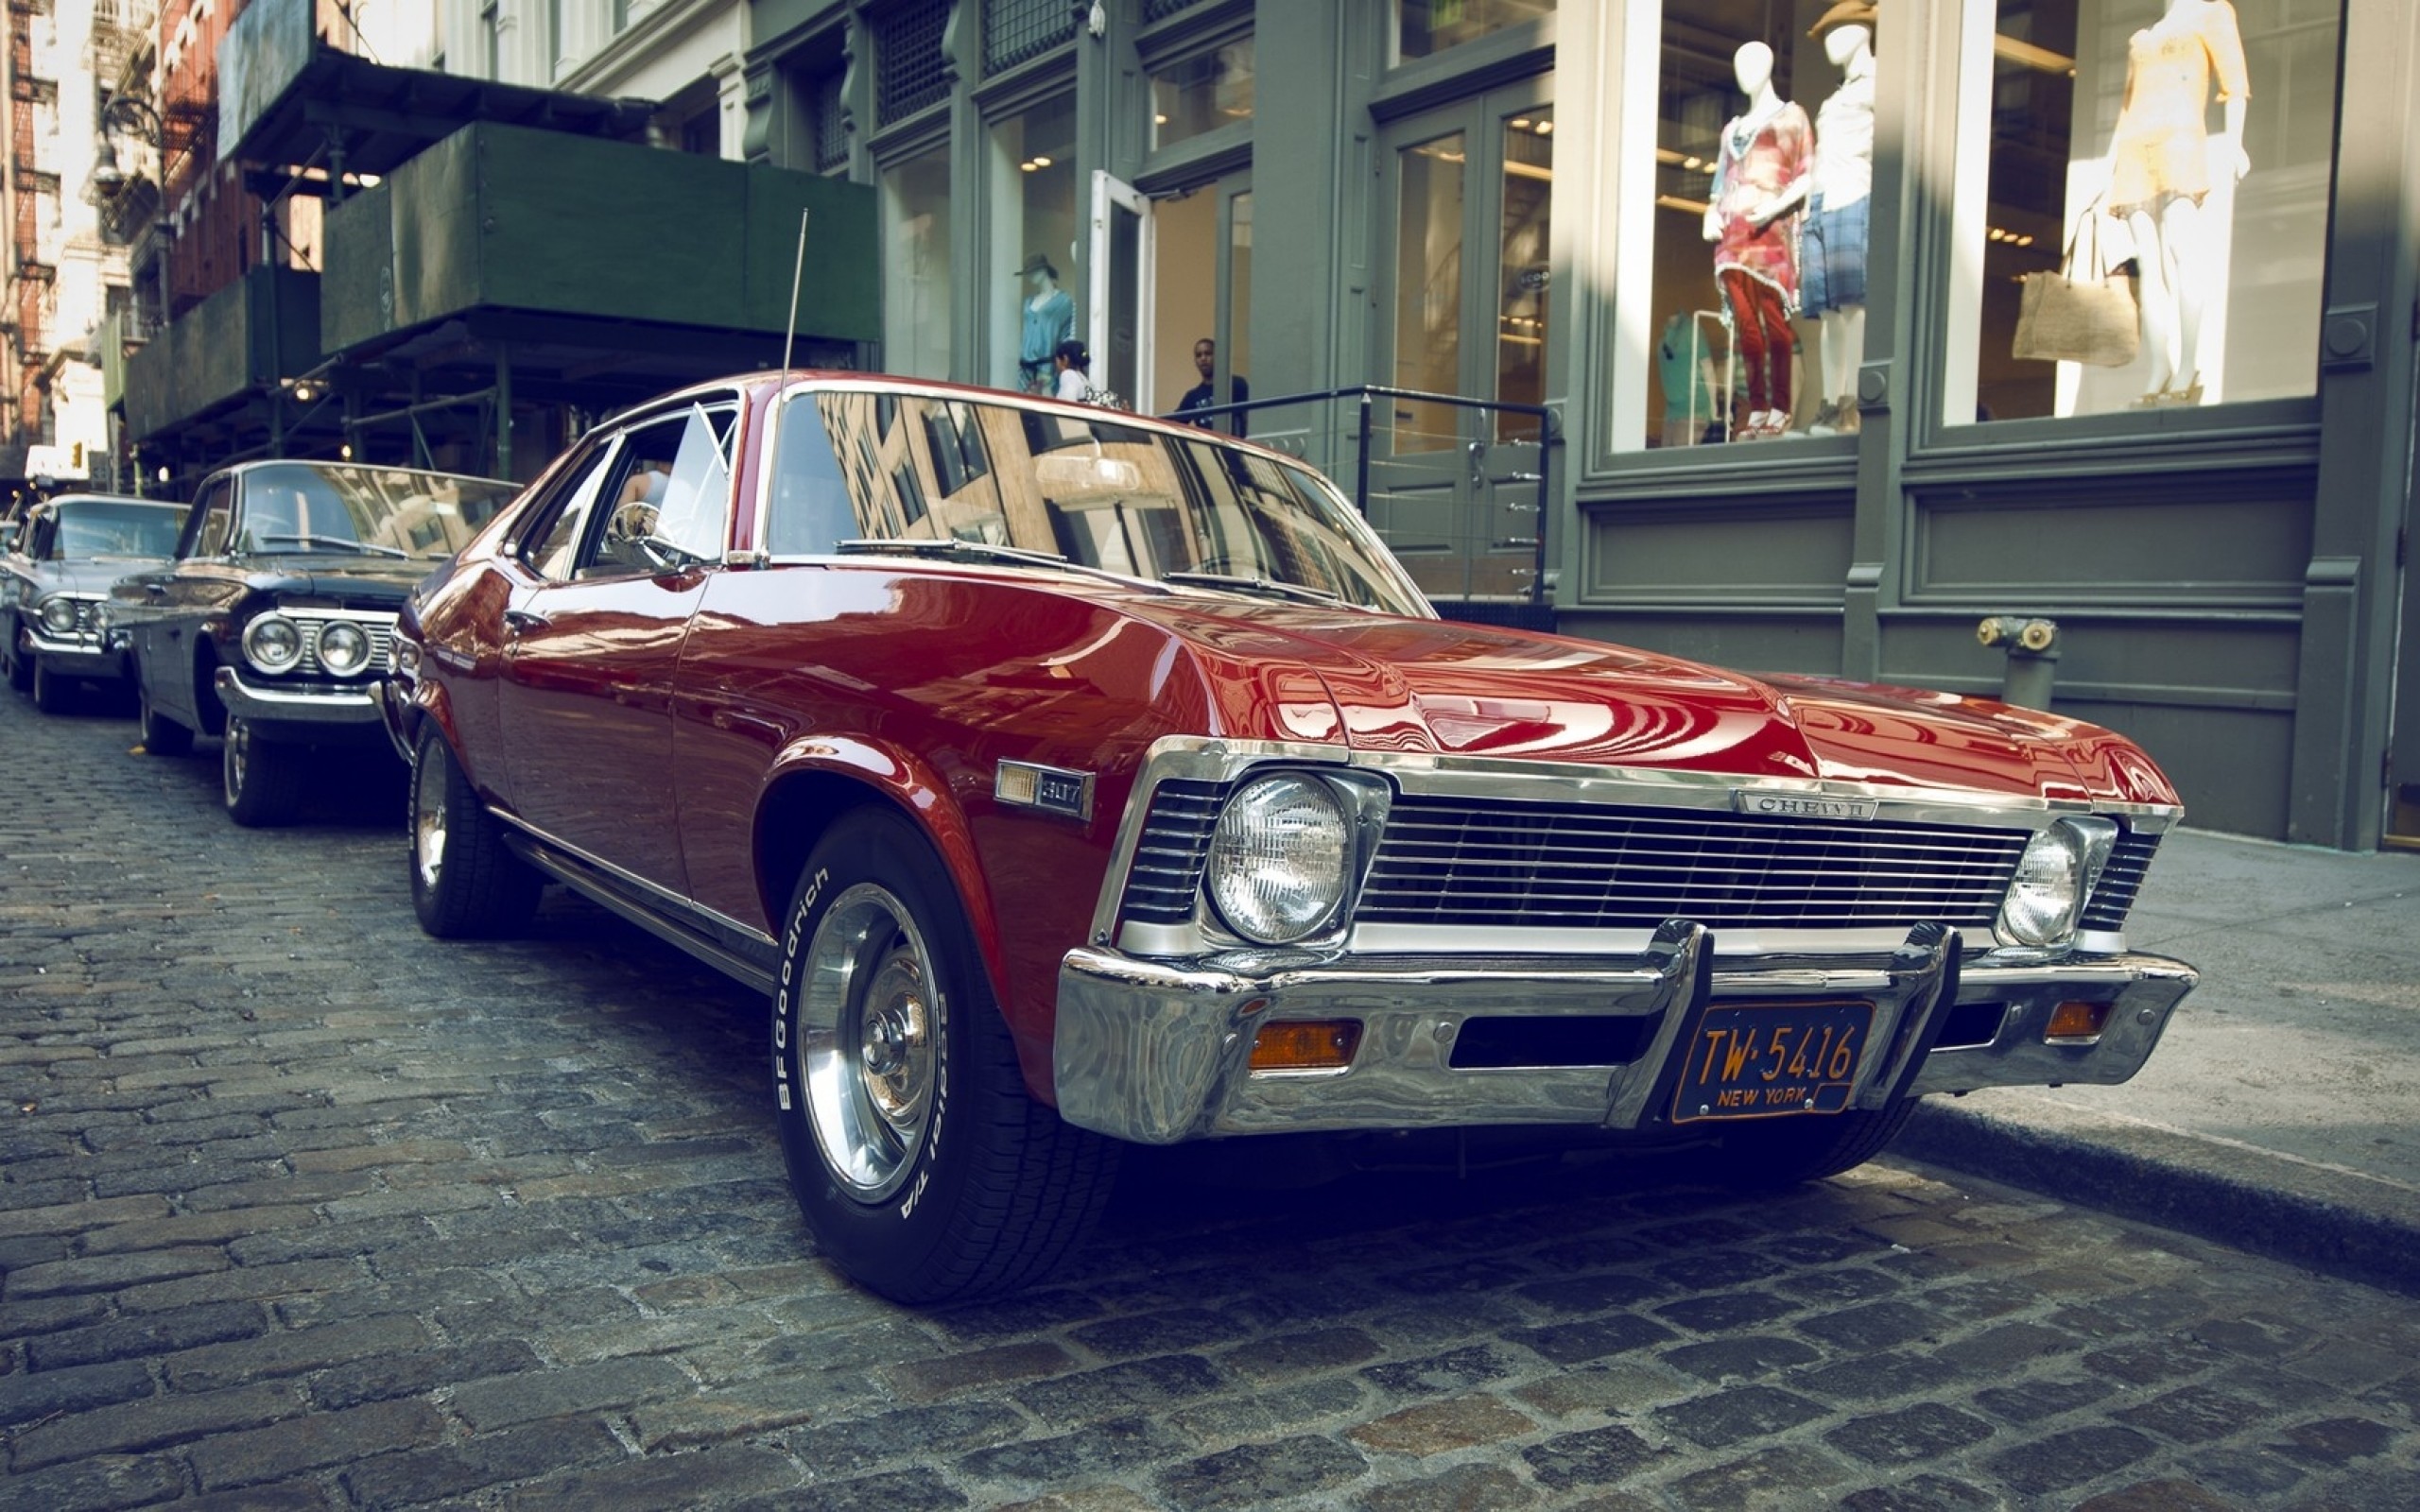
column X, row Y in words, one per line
column 1050, row 318
column 1833, row 243
column 1759, row 181
column 2160, row 172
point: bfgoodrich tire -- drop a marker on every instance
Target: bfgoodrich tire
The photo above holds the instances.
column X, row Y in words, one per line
column 260, row 780
column 466, row 882
column 925, row 1171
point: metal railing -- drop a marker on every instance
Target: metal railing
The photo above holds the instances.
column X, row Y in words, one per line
column 1459, row 489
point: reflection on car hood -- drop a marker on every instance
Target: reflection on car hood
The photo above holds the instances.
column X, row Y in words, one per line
column 1451, row 688
column 380, row 578
column 90, row 575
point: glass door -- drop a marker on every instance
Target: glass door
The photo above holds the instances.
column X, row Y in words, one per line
column 1121, row 288
column 1200, row 317
column 1464, row 315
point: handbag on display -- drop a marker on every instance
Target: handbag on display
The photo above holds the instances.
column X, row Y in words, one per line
column 2082, row 312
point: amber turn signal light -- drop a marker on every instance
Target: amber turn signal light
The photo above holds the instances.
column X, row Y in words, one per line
column 1323, row 1045
column 2076, row 1023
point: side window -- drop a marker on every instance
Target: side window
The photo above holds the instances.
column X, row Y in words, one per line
column 811, row 511
column 552, row 545
column 670, row 493
column 216, row 511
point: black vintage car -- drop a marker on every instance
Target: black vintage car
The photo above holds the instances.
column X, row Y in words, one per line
column 271, row 624
column 67, row 552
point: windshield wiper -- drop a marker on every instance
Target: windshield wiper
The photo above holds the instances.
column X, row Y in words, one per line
column 985, row 551
column 1265, row 587
column 315, row 542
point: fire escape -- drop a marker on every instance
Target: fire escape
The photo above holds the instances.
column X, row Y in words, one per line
column 29, row 189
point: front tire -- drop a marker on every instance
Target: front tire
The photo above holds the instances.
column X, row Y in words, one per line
column 1782, row 1151
column 466, row 882
column 925, row 1169
column 53, row 693
column 162, row 736
column 20, row 654
column 260, row 780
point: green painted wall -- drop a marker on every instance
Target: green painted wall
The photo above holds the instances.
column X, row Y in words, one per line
column 223, row 346
column 506, row 218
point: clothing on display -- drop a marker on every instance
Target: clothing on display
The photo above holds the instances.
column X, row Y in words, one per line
column 1050, row 318
column 2160, row 147
column 1760, row 159
column 1763, row 343
column 1831, row 254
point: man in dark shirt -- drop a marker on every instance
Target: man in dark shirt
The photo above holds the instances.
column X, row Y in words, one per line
column 1203, row 394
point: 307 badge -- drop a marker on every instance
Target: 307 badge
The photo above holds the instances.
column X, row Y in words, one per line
column 1767, row 1059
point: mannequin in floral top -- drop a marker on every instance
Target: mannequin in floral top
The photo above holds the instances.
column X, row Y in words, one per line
column 1759, row 181
column 2160, row 165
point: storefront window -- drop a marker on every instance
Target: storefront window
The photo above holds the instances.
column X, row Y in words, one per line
column 1202, row 94
column 2172, row 156
column 1425, row 28
column 1754, row 247
column 1033, row 271
column 915, row 307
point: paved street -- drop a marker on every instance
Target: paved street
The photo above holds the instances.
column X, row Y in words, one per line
column 303, row 1209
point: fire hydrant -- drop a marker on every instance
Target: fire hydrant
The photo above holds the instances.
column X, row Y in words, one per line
column 2032, row 647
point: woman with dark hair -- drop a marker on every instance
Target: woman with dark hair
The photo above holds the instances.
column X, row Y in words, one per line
column 1074, row 367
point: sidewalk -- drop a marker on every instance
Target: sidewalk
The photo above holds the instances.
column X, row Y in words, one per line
column 2281, row 1111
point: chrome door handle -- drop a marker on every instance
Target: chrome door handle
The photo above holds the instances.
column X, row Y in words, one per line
column 519, row 620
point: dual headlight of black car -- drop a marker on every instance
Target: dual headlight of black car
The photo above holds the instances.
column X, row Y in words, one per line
column 277, row 644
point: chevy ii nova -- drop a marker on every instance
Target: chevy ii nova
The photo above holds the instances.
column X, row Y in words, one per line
column 1069, row 780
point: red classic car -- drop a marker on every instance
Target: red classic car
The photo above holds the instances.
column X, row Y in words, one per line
column 1068, row 779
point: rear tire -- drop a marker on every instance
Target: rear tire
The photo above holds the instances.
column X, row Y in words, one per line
column 1782, row 1151
column 466, row 882
column 162, row 736
column 923, row 1167
column 260, row 780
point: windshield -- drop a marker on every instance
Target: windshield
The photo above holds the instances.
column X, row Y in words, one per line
column 106, row 527
column 1095, row 493
column 333, row 506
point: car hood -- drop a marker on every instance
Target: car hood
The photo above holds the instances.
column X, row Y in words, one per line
column 1445, row 687
column 90, row 575
column 383, row 580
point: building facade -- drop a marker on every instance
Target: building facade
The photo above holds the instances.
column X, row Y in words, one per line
column 1767, row 262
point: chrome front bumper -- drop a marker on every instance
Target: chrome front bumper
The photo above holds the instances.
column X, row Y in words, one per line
column 355, row 706
column 80, row 658
column 1157, row 1052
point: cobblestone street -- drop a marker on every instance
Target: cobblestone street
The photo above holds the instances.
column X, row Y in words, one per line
column 305, row 1210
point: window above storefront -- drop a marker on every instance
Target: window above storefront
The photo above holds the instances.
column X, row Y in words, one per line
column 1424, row 28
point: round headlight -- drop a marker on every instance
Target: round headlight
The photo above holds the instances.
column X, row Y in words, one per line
column 1278, row 859
column 273, row 643
column 59, row 615
column 2043, row 900
column 344, row 647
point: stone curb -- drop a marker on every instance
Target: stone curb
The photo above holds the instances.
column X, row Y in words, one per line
column 2338, row 1222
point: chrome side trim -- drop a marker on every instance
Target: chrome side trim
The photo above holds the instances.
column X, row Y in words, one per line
column 672, row 901
column 613, row 901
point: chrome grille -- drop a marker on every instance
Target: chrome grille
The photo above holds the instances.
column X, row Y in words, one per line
column 381, row 629
column 2121, row 878
column 1456, row 862
column 1172, row 850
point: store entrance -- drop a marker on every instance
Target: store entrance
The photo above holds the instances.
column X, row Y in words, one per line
column 1178, row 269
column 1462, row 311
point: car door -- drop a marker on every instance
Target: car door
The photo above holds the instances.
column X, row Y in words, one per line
column 593, row 631
column 162, row 610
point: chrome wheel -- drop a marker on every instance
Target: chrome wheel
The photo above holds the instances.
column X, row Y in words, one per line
column 869, row 1026
column 428, row 819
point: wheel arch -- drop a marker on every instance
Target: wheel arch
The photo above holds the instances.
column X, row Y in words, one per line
column 815, row 785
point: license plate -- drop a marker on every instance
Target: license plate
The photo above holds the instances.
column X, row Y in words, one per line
column 1767, row 1059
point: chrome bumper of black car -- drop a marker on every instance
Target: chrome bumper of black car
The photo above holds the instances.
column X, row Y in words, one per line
column 1159, row 1052
column 260, row 705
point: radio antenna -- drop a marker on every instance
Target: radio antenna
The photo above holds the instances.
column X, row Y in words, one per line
column 758, row 552
column 798, row 272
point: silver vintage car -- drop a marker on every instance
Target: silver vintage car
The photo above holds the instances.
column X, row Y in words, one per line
column 57, row 578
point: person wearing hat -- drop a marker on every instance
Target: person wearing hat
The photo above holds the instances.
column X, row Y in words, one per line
column 1832, row 243
column 1050, row 318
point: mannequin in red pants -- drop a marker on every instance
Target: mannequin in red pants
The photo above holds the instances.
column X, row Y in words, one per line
column 1762, row 340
